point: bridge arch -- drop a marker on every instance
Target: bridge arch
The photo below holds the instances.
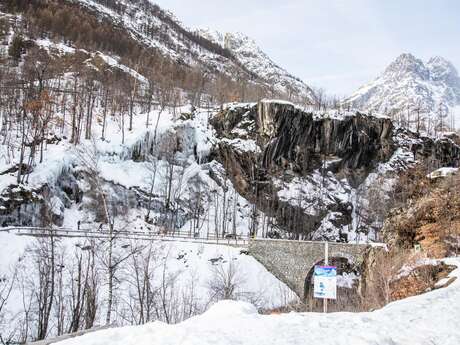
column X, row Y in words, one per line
column 344, row 263
column 292, row 262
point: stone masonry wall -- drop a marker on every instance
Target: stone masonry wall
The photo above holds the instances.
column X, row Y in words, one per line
column 291, row 261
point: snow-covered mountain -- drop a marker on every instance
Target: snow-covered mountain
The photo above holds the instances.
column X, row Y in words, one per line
column 234, row 56
column 246, row 50
column 409, row 82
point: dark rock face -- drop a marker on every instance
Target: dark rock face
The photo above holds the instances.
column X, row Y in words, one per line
column 240, row 166
column 300, row 143
column 242, row 118
column 293, row 144
column 20, row 206
column 41, row 206
column 442, row 152
column 292, row 139
column 67, row 185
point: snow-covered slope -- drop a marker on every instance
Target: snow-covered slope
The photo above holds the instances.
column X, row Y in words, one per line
column 190, row 271
column 186, row 269
column 410, row 83
column 149, row 24
column 236, row 56
column 257, row 61
column 427, row 319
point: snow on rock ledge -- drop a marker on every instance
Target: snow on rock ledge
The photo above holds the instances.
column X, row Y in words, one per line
column 442, row 172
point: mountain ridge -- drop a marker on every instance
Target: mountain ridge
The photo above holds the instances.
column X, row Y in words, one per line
column 410, row 84
column 144, row 36
column 180, row 45
column 245, row 49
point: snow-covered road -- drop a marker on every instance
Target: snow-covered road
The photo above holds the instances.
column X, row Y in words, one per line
column 429, row 319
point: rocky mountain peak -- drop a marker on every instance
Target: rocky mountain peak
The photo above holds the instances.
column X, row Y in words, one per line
column 407, row 64
column 247, row 51
column 443, row 70
column 409, row 81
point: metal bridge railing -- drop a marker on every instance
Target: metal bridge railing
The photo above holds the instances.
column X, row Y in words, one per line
column 179, row 236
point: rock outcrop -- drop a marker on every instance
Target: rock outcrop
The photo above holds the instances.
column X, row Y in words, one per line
column 298, row 141
column 292, row 139
column 267, row 147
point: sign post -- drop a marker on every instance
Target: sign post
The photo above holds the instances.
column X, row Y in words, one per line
column 326, row 262
column 325, row 280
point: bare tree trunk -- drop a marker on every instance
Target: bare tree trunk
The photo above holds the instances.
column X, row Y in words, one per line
column 46, row 291
column 89, row 116
column 23, row 145
column 131, row 106
column 110, row 277
column 74, row 114
column 156, row 126
column 63, row 113
column 152, row 186
column 123, row 127
column 149, row 108
column 104, row 121
column 91, row 292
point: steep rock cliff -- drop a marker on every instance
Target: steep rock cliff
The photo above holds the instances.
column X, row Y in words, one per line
column 305, row 170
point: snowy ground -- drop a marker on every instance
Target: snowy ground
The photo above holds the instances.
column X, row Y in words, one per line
column 429, row 319
column 190, row 270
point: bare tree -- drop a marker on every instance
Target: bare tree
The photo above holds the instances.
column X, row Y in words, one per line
column 6, row 287
column 45, row 251
column 152, row 165
column 142, row 265
column 166, row 299
column 164, row 95
column 225, row 282
column 89, row 158
column 320, row 94
column 387, row 268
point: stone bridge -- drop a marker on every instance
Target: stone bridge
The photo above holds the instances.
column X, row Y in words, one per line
column 292, row 262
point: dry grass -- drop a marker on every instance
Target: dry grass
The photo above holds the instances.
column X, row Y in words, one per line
column 430, row 218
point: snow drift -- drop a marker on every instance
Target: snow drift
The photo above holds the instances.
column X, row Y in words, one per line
column 431, row 318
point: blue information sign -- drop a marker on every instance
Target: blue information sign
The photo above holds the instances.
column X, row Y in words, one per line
column 325, row 282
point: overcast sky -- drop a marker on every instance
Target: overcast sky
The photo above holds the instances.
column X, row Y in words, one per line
column 335, row 44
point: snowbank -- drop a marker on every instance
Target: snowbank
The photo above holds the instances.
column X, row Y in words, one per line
column 431, row 318
column 442, row 172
